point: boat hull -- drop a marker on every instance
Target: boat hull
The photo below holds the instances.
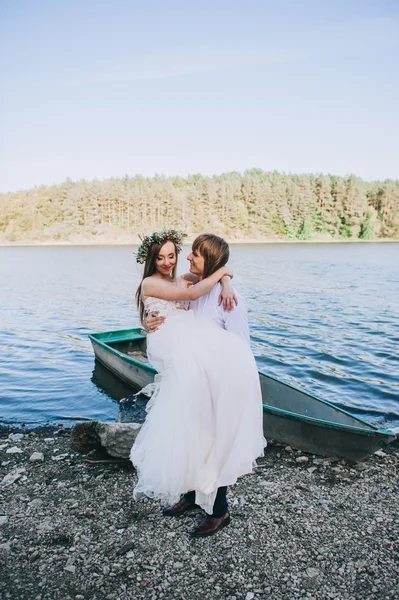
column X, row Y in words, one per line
column 324, row 439
column 131, row 372
column 290, row 416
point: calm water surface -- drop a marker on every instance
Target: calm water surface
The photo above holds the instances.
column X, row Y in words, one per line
column 324, row 317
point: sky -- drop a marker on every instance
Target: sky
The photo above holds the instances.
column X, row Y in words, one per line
column 96, row 89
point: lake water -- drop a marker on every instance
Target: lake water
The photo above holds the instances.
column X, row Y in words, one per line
column 323, row 317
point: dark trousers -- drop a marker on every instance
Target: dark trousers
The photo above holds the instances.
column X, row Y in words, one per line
column 220, row 504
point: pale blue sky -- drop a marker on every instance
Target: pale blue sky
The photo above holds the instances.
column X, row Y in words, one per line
column 95, row 88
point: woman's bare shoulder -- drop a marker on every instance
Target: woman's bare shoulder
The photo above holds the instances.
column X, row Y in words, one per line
column 155, row 283
column 148, row 282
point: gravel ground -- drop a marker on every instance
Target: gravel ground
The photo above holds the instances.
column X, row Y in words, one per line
column 302, row 527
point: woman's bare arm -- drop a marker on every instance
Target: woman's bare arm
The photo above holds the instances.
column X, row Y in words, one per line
column 190, row 277
column 157, row 288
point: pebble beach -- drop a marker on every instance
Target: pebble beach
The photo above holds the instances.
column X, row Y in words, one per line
column 303, row 527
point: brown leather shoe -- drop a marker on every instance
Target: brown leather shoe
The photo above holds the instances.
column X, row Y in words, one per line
column 211, row 525
column 178, row 509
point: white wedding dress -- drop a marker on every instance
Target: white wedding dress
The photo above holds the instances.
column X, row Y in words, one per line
column 204, row 426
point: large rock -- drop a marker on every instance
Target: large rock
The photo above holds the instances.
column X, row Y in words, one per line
column 115, row 438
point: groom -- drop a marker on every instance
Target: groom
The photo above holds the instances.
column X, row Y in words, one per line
column 209, row 253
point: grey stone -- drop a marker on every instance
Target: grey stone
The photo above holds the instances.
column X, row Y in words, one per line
column 337, row 469
column 36, row 503
column 361, row 466
column 70, row 569
column 12, row 476
column 381, row 453
column 125, row 548
column 14, row 450
column 60, row 457
column 45, row 526
column 312, row 572
column 37, row 457
column 3, row 520
column 15, row 437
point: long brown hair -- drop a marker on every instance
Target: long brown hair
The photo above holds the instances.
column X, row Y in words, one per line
column 214, row 250
column 149, row 269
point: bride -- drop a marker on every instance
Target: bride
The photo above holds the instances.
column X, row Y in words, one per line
column 204, row 424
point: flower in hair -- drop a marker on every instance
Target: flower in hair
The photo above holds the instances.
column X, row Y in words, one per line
column 159, row 237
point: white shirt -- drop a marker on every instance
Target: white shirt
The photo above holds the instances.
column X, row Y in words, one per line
column 235, row 321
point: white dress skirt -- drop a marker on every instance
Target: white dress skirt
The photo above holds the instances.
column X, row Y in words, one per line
column 204, row 426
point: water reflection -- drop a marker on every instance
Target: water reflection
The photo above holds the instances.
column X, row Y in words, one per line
column 107, row 383
column 132, row 409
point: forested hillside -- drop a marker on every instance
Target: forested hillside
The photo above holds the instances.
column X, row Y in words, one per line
column 253, row 205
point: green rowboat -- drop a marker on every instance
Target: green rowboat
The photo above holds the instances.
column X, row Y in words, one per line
column 290, row 416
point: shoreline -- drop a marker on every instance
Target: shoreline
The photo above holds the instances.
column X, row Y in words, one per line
column 231, row 242
column 311, row 529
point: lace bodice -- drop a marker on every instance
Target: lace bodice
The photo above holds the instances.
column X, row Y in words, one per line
column 165, row 307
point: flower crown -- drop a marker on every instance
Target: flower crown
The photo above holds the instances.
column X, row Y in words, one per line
column 159, row 237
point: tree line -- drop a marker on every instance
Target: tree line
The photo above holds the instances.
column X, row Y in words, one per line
column 253, row 205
